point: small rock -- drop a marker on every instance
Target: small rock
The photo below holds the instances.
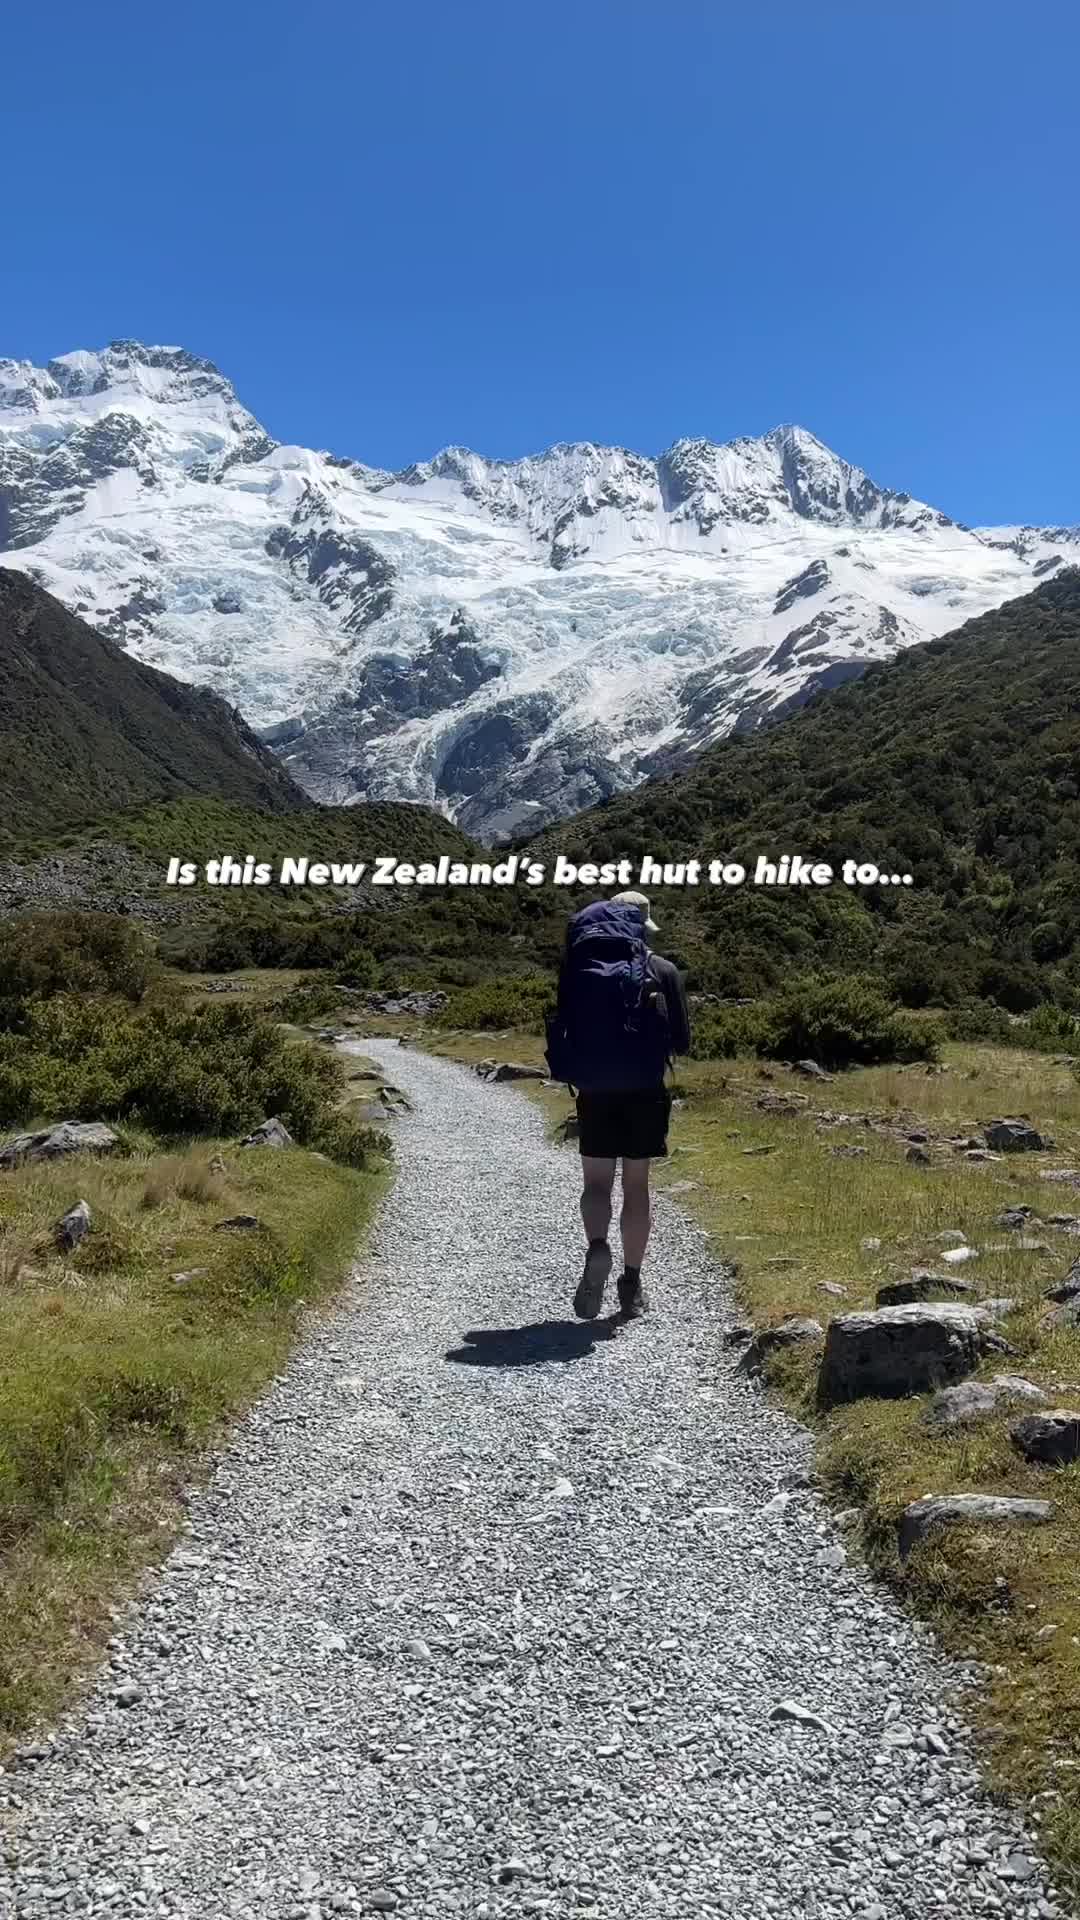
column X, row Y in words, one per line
column 1016, row 1136
column 950, row 1237
column 418, row 1649
column 269, row 1133
column 738, row 1336
column 789, row 1333
column 871, row 1245
column 831, row 1287
column 959, row 1256
column 918, row 1156
column 1052, row 1438
column 69, row 1232
column 185, row 1279
column 923, row 1285
column 513, row 1070
column 803, row 1716
column 54, row 1143
column 128, row 1695
column 1017, row 1218
column 383, row 1900
column 811, row 1070
column 968, row 1509
column 240, row 1223
column 999, row 1306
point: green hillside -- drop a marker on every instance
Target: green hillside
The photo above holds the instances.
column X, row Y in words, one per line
column 958, row 762
column 85, row 729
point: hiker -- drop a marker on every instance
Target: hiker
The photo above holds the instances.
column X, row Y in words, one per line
column 621, row 1016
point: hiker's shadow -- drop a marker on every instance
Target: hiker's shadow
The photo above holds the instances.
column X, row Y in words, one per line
column 531, row 1346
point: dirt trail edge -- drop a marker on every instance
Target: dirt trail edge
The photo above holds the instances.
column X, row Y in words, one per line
column 485, row 1613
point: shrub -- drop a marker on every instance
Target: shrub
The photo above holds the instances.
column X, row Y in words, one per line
column 43, row 954
column 719, row 1033
column 216, row 1069
column 309, row 1002
column 520, row 1003
column 358, row 969
column 842, row 1023
column 975, row 1020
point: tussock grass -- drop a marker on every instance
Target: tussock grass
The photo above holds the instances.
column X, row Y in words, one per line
column 113, row 1377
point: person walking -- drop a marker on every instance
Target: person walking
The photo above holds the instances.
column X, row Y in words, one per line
column 620, row 1018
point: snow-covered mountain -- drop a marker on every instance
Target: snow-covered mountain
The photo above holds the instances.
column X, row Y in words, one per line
column 509, row 640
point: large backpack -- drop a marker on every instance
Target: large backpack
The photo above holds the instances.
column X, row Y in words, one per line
column 610, row 1030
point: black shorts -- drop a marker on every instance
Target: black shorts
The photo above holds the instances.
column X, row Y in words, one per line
column 624, row 1126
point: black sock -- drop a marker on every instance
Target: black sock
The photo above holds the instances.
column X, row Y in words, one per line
column 633, row 1274
column 600, row 1242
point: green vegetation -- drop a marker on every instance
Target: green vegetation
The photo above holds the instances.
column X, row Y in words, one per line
column 499, row 1003
column 114, row 1375
column 959, row 762
column 85, row 729
column 120, row 1359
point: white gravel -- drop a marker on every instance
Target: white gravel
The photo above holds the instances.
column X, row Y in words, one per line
column 487, row 1613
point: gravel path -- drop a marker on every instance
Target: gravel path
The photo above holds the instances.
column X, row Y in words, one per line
column 484, row 1613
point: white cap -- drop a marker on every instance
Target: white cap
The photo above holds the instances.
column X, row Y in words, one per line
column 636, row 900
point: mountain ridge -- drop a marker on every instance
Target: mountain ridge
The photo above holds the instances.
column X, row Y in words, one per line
column 508, row 641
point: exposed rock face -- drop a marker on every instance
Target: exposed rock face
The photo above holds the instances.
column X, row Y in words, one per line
column 901, row 1350
column 968, row 1509
column 54, row 1143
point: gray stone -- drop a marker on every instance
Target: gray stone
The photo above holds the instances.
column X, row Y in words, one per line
column 1018, row 1218
column 999, row 1306
column 240, row 1223
column 900, row 1350
column 269, row 1133
column 70, row 1231
column 802, row 1716
column 1015, row 1136
column 789, row 1333
column 53, row 1143
column 811, row 1070
column 1052, row 1438
column 918, row 1156
column 968, row 1509
column 513, row 1070
column 924, row 1284
column 127, row 1695
column 1066, row 1289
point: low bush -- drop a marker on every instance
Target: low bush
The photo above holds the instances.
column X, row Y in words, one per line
column 43, row 954
column 719, row 1033
column 214, row 1069
column 309, row 1001
column 520, row 1003
column 842, row 1023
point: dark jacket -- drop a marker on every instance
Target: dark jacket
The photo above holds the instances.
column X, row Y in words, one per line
column 670, row 980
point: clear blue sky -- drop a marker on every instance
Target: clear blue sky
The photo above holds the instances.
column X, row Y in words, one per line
column 505, row 225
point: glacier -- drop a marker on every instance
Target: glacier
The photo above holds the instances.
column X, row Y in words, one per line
column 507, row 641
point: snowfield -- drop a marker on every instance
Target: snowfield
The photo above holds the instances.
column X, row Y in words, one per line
column 508, row 641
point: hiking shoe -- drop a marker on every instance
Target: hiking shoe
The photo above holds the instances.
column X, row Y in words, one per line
column 632, row 1299
column 589, row 1297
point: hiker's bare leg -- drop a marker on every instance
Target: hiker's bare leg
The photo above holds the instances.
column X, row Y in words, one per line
column 598, row 1177
column 636, row 1216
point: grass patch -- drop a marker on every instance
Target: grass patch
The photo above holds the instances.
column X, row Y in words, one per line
column 114, row 1377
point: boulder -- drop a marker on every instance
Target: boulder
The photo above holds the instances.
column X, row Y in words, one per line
column 968, row 1509
column 1052, row 1438
column 789, row 1333
column 70, row 1231
column 899, row 1350
column 513, row 1070
column 1065, row 1315
column 52, row 1143
column 269, row 1133
column 1015, row 1136
column 923, row 1285
column 977, row 1399
column 811, row 1070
